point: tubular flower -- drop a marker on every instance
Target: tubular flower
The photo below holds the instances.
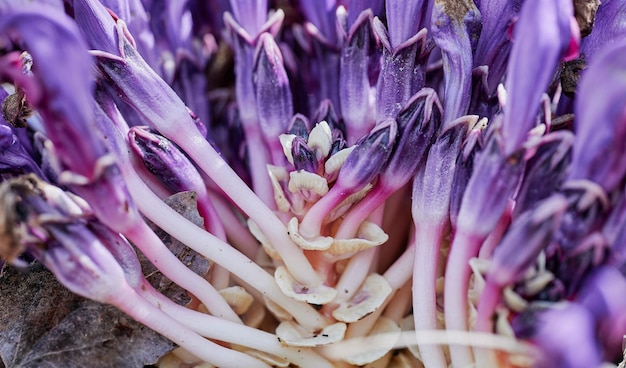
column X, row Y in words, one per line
column 426, row 183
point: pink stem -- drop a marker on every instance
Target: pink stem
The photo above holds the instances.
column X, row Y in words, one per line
column 218, row 170
column 424, row 290
column 216, row 250
column 496, row 234
column 154, row 249
column 258, row 158
column 464, row 247
column 222, row 330
column 219, row 276
column 355, row 217
column 236, row 232
column 487, row 303
column 311, row 224
column 141, row 310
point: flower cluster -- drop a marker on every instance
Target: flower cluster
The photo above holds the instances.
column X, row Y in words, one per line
column 382, row 183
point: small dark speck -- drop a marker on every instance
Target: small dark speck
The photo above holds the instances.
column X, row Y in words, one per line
column 324, row 335
column 345, row 291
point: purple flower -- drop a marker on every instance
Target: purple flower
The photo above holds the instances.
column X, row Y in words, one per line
column 63, row 243
column 455, row 27
column 494, row 46
column 402, row 70
column 273, row 95
column 250, row 14
column 599, row 124
column 601, row 295
column 548, row 32
column 533, row 230
column 419, row 123
column 323, row 112
column 545, row 170
column 354, row 82
column 63, row 102
column 14, row 160
column 565, row 335
column 608, row 28
column 405, row 19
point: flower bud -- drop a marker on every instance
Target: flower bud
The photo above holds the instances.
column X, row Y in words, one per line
column 303, row 157
column 164, row 159
column 354, row 83
column 35, row 218
column 565, row 335
column 368, row 158
column 273, row 93
column 455, row 28
column 599, row 124
column 418, row 125
column 545, row 34
column 545, row 170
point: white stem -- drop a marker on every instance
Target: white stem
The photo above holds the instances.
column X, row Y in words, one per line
column 236, row 232
column 141, row 310
column 222, row 330
column 217, row 251
column 154, row 249
column 424, row 290
column 218, row 170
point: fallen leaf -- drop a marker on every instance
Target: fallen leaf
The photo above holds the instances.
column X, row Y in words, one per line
column 43, row 325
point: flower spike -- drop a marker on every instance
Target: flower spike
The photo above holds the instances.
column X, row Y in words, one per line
column 273, row 95
column 596, row 149
column 548, row 32
column 455, row 26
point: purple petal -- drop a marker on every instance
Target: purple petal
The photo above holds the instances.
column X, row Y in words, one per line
column 545, row 34
column 326, row 112
column 356, row 7
column 354, row 84
column 431, row 194
column 299, row 126
column 164, row 159
column 545, row 170
column 493, row 47
column 251, row 14
column 322, row 15
column 455, row 24
column 406, row 18
column 463, row 172
column 418, row 125
column 600, row 121
column 273, row 93
column 14, row 160
column 602, row 294
column 565, row 334
column 494, row 180
column 368, row 158
column 402, row 72
column 67, row 248
column 303, row 157
column 533, row 229
column 608, row 28
column 63, row 100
